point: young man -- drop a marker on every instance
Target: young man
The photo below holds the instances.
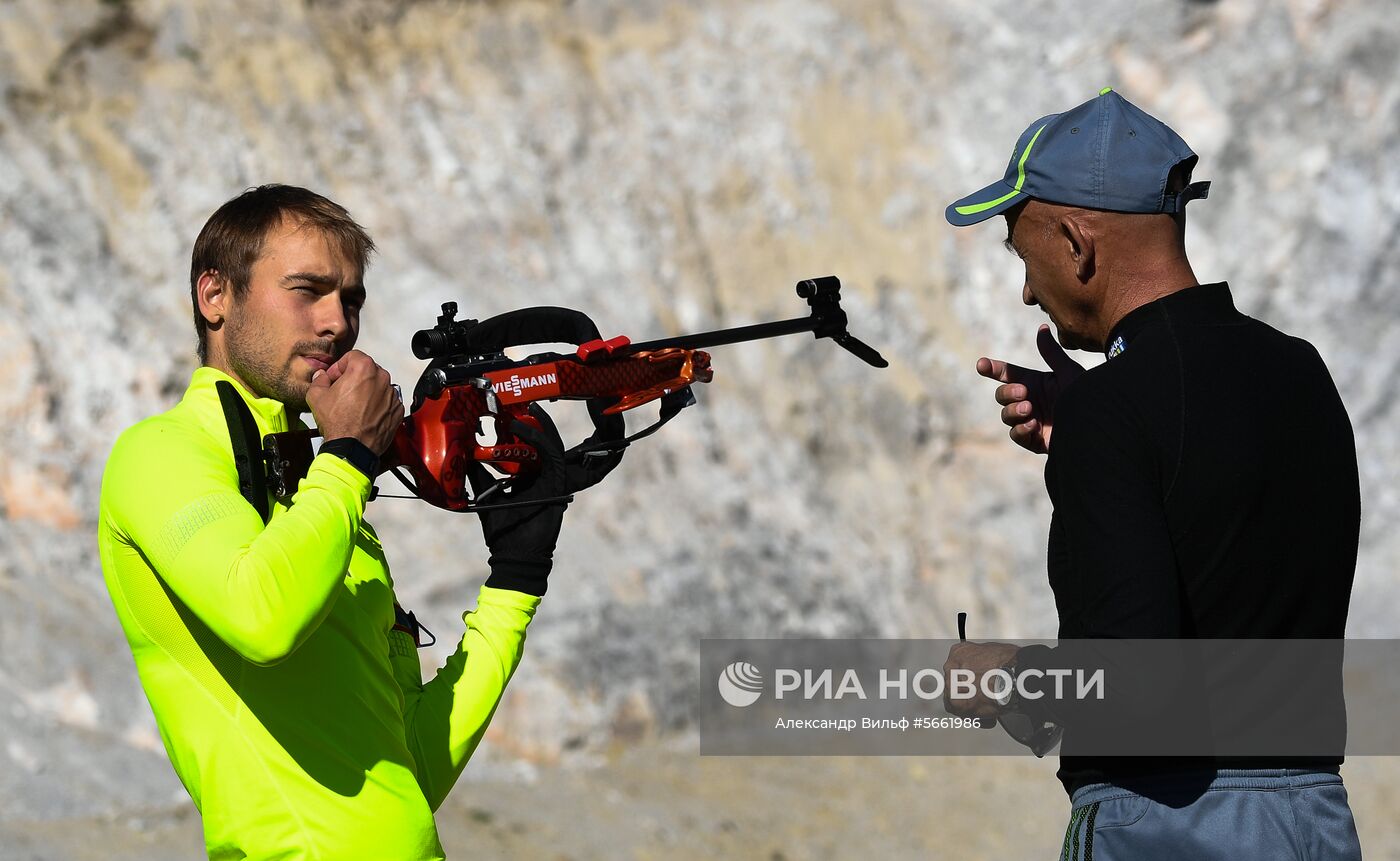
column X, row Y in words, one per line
column 1204, row 478
column 282, row 673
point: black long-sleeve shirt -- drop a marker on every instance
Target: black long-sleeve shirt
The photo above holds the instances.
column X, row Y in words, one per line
column 1204, row 483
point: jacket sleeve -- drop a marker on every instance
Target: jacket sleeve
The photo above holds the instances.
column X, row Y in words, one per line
column 446, row 718
column 1110, row 504
column 173, row 494
column 1121, row 580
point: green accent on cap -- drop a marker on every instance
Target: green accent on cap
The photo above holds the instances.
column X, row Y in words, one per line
column 1105, row 91
column 974, row 208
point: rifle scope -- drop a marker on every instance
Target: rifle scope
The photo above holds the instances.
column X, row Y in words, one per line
column 447, row 338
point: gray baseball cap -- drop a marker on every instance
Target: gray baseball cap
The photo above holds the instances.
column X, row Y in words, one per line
column 1104, row 154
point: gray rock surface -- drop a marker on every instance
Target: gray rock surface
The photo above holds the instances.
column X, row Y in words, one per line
column 666, row 167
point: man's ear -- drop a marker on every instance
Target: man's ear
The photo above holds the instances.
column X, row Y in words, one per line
column 215, row 295
column 1079, row 236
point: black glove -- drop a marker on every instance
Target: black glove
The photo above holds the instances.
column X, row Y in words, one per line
column 521, row 539
column 584, row 469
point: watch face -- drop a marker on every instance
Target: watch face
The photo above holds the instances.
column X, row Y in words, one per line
column 1006, row 698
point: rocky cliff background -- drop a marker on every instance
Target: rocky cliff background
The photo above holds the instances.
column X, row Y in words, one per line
column 665, row 166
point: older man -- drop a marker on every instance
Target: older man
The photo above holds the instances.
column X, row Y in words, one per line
column 1204, row 478
column 282, row 673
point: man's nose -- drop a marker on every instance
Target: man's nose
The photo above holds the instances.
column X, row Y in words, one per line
column 1026, row 295
column 331, row 320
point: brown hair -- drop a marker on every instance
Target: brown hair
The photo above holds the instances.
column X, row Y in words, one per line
column 232, row 239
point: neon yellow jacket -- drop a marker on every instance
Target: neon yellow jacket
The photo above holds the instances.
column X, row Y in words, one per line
column 293, row 712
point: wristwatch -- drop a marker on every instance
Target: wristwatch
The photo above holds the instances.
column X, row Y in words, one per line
column 1011, row 694
column 354, row 452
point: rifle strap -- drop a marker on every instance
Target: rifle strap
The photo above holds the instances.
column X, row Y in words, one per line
column 247, row 448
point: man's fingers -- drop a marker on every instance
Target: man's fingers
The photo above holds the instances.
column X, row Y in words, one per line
column 355, row 359
column 1024, row 430
column 1027, row 435
column 546, row 423
column 1015, row 414
column 339, row 366
column 1011, row 393
column 992, row 369
column 1053, row 354
column 1004, row 372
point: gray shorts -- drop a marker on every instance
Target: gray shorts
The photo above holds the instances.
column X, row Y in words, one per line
column 1239, row 814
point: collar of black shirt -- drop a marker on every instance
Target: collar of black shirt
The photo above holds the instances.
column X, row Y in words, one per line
column 1204, row 303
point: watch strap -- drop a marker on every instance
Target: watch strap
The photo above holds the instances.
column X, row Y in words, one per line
column 355, row 452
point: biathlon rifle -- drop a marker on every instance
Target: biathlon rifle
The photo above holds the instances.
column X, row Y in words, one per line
column 469, row 377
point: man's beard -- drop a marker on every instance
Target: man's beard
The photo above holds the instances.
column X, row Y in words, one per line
column 268, row 375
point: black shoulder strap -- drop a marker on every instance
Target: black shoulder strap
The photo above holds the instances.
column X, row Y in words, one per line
column 247, row 447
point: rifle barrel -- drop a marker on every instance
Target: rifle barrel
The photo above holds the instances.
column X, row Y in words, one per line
column 719, row 337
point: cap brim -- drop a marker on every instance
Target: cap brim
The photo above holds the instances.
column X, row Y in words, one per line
column 983, row 204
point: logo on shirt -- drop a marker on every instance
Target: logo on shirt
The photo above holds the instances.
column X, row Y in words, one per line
column 1118, row 346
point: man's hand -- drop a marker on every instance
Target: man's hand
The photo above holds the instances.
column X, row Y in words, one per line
column 979, row 658
column 521, row 540
column 1028, row 397
column 354, row 398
